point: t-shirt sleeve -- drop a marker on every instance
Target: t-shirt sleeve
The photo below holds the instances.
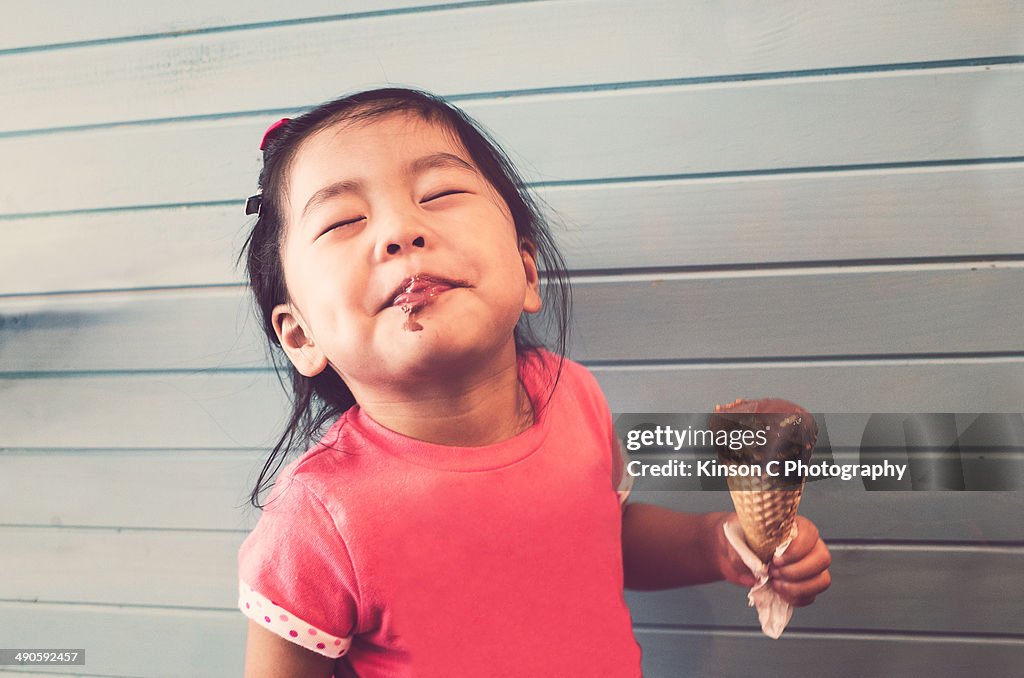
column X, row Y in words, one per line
column 295, row 575
column 622, row 481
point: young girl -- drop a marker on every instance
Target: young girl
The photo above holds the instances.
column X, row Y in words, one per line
column 464, row 513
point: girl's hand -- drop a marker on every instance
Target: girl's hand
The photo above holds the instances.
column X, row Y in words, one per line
column 729, row 562
column 800, row 574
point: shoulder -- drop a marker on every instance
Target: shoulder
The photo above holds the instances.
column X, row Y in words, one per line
column 580, row 377
column 304, row 483
column 574, row 385
column 321, row 458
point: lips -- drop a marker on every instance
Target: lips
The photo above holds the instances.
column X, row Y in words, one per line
column 418, row 289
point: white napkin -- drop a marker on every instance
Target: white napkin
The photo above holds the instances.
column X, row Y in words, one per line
column 772, row 611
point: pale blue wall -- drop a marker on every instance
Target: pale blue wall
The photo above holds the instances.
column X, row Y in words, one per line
column 815, row 200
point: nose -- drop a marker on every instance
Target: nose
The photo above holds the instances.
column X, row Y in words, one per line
column 396, row 245
column 400, row 231
column 400, row 228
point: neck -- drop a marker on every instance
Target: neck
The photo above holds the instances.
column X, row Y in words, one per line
column 487, row 408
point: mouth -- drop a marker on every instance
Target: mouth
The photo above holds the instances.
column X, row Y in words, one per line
column 419, row 289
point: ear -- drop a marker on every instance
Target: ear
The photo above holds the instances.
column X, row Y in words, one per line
column 533, row 302
column 307, row 357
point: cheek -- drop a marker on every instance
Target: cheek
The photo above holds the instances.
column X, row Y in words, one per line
column 332, row 273
column 503, row 244
column 510, row 280
column 326, row 296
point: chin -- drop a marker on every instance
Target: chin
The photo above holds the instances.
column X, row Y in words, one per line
column 431, row 349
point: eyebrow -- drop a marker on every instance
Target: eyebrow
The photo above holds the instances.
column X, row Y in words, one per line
column 418, row 166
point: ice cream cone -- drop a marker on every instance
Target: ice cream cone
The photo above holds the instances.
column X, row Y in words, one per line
column 766, row 513
column 766, row 504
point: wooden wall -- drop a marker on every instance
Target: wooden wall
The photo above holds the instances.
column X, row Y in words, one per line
column 815, row 200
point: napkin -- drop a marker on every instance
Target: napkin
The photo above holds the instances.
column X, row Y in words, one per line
column 772, row 611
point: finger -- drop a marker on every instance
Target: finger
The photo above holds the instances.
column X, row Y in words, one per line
column 806, row 538
column 746, row 580
column 816, row 561
column 734, row 569
column 803, row 592
column 802, row 602
column 741, row 574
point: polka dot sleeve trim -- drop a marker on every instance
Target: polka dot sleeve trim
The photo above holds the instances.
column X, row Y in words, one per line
column 285, row 624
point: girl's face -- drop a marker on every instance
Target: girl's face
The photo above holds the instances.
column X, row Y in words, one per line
column 370, row 205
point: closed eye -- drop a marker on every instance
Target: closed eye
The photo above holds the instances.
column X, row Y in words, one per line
column 443, row 194
column 340, row 224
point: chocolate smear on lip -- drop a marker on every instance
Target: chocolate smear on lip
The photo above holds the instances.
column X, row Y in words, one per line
column 410, row 324
column 410, row 308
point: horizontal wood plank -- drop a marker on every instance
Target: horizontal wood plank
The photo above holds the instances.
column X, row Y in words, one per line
column 874, row 588
column 868, row 311
column 669, row 653
column 131, row 567
column 109, row 324
column 133, row 642
column 44, row 671
column 58, row 22
column 222, row 410
column 884, row 588
column 200, row 410
column 802, row 217
column 918, row 116
column 210, row 491
column 164, row 247
column 195, row 74
column 989, row 385
column 761, row 313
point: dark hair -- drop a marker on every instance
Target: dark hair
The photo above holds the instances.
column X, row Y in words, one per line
column 322, row 398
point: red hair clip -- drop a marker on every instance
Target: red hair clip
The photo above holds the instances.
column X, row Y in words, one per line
column 270, row 130
column 255, row 202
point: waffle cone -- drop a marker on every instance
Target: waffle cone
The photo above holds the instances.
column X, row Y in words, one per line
column 766, row 511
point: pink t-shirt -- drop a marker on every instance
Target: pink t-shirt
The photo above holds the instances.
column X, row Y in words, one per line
column 416, row 559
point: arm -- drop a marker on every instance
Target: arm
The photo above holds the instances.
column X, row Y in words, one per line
column 267, row 655
column 664, row 549
column 295, row 565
